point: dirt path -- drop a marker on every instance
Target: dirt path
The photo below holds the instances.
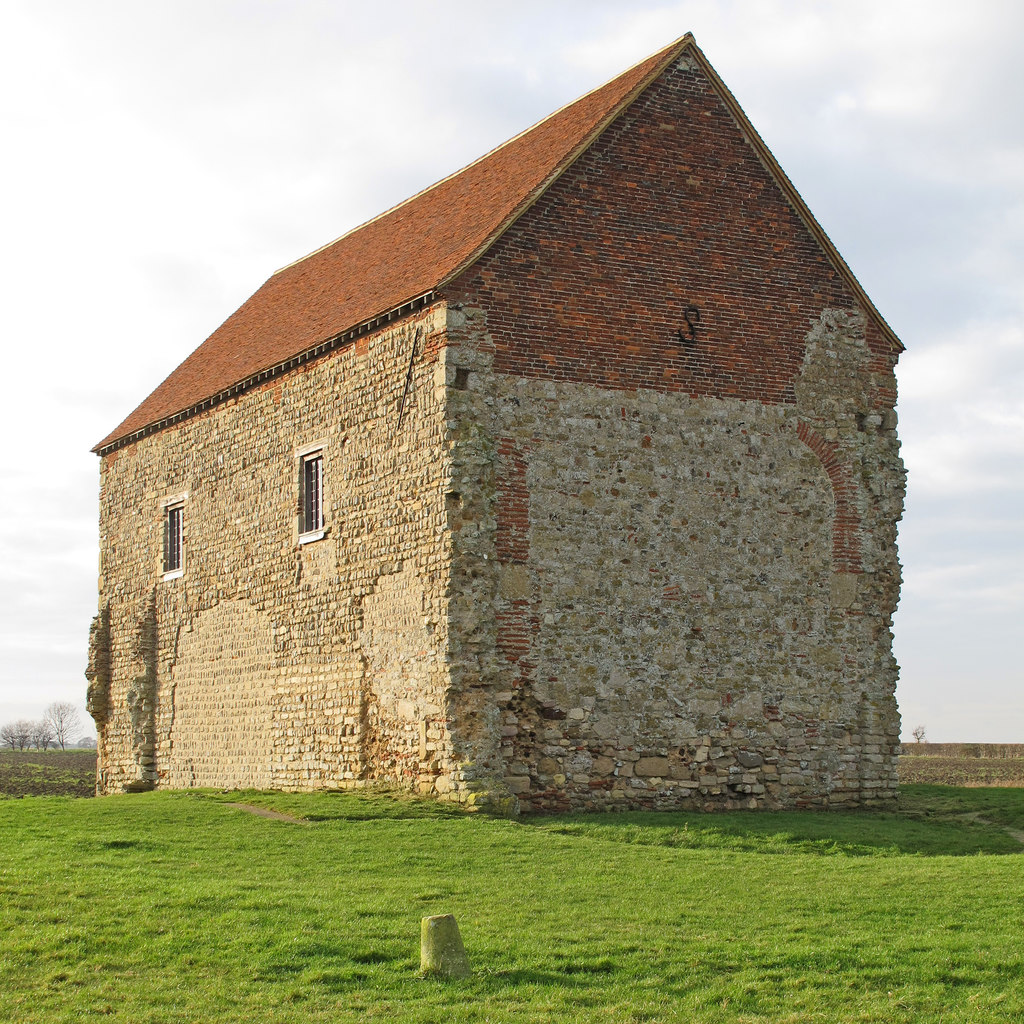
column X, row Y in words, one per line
column 265, row 812
column 1014, row 833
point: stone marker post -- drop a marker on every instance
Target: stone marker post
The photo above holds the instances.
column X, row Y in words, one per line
column 441, row 950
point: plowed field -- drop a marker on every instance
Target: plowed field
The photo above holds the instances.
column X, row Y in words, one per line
column 47, row 773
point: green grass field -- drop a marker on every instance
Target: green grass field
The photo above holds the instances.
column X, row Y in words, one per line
column 181, row 907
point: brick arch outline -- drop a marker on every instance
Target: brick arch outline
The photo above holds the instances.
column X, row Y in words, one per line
column 846, row 552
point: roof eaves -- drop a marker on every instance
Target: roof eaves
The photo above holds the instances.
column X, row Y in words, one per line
column 671, row 52
column 111, row 444
column 789, row 190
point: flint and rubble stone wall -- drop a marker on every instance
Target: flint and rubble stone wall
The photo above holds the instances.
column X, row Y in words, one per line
column 269, row 663
column 692, row 596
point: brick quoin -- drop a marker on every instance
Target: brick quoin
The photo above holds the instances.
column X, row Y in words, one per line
column 512, row 544
column 513, row 511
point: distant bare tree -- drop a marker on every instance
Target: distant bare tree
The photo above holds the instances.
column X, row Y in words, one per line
column 918, row 733
column 23, row 733
column 42, row 734
column 62, row 718
column 9, row 735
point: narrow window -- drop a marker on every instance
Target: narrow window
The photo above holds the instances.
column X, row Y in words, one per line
column 174, row 519
column 312, row 492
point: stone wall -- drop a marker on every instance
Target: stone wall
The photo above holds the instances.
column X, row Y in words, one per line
column 692, row 595
column 269, row 663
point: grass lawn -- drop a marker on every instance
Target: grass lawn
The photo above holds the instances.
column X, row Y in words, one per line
column 166, row 907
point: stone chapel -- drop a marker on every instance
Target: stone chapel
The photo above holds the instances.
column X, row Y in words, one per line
column 571, row 482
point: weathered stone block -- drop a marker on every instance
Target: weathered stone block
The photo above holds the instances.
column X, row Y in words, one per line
column 652, row 766
column 442, row 952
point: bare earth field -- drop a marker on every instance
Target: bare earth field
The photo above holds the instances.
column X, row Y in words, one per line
column 47, row 773
column 963, row 764
column 962, row 771
column 73, row 772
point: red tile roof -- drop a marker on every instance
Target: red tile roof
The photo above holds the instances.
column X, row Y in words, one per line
column 391, row 259
column 412, row 249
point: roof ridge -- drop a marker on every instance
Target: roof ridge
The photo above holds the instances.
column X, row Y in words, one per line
column 669, row 51
column 669, row 54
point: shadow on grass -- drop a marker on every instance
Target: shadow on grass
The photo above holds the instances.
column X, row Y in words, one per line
column 348, row 805
column 576, row 973
column 930, row 821
column 834, row 833
column 1003, row 805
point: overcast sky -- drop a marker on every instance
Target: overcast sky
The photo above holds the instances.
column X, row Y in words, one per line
column 162, row 159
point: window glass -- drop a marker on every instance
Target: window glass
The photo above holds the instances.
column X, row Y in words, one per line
column 173, row 536
column 312, row 492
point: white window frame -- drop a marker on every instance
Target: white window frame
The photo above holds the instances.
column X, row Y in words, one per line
column 312, row 523
column 173, row 518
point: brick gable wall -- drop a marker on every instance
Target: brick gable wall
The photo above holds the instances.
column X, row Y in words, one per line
column 671, row 207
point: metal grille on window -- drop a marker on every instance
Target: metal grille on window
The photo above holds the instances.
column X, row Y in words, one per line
column 312, row 493
column 172, row 538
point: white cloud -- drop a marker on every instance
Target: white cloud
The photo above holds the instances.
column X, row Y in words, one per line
column 962, row 409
